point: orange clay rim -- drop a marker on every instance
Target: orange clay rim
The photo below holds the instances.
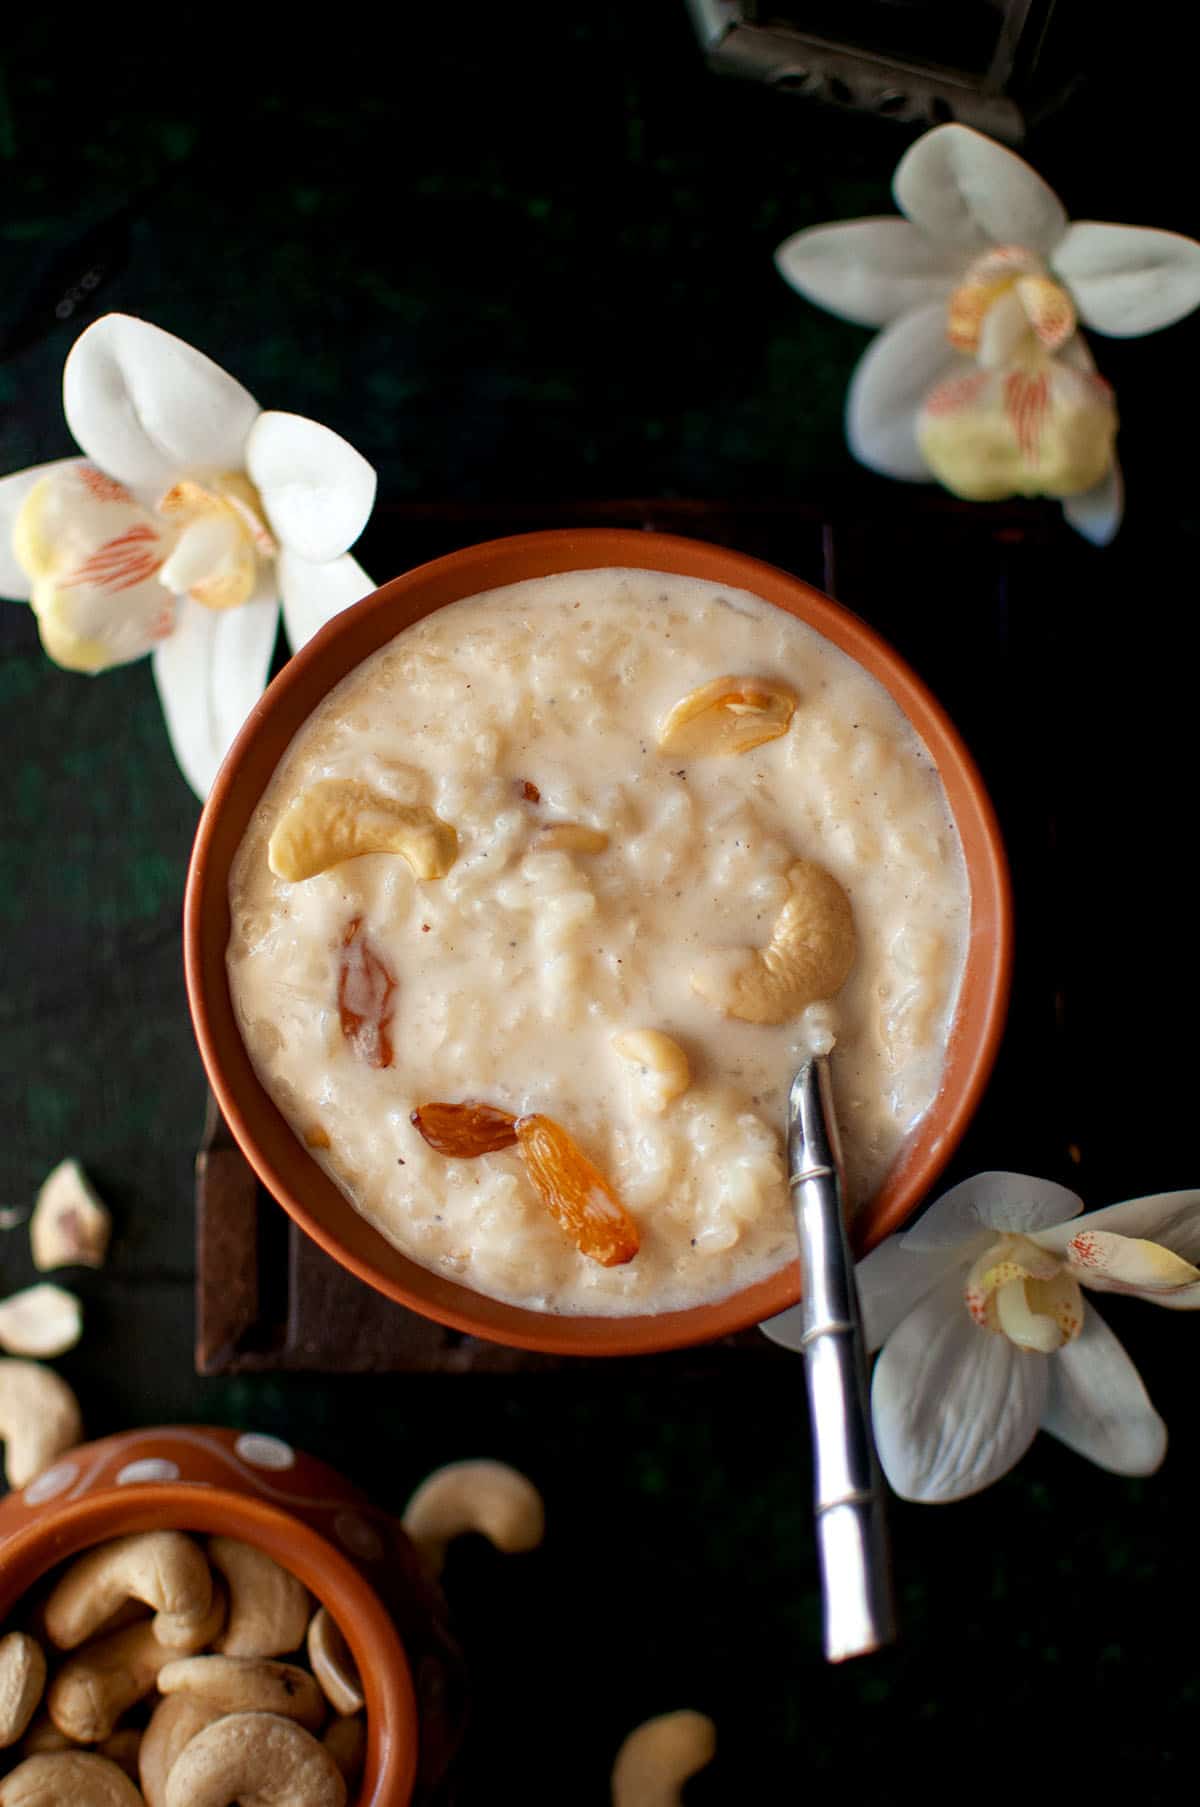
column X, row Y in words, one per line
column 390, row 1702
column 276, row 1154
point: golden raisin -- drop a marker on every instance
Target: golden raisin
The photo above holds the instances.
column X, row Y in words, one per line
column 465, row 1129
column 365, row 992
column 576, row 1193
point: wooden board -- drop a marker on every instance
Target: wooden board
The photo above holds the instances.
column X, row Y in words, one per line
column 938, row 580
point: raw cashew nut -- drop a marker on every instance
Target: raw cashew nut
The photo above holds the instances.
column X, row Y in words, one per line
column 173, row 1724
column 164, row 1569
column 268, row 1607
column 122, row 1748
column 44, row 1735
column 657, row 1758
column 100, row 1683
column 346, row 1742
column 728, row 715
column 663, row 1063
column 57, row 1778
column 333, row 1665
column 339, row 819
column 569, row 837
column 70, row 1227
column 247, row 1684
column 22, row 1679
column 488, row 1497
column 39, row 1419
column 258, row 1760
column 808, row 957
column 41, row 1321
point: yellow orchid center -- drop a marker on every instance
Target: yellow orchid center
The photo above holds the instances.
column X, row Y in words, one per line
column 222, row 535
column 1038, row 428
column 1024, row 1292
column 1007, row 306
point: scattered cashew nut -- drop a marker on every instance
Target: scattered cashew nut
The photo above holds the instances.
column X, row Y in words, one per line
column 39, row 1419
column 663, row 1063
column 333, row 1665
column 70, row 1227
column 658, row 1757
column 340, row 819
column 728, row 715
column 173, row 1724
column 808, row 957
column 346, row 1742
column 100, row 1683
column 257, row 1759
column 22, row 1680
column 268, row 1607
column 247, row 1684
column 54, row 1779
column 474, row 1496
column 40, row 1321
column 569, row 837
column 165, row 1569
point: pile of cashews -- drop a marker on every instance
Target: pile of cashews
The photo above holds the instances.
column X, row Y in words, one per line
column 204, row 1628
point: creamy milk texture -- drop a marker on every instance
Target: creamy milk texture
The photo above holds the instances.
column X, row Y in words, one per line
column 514, row 973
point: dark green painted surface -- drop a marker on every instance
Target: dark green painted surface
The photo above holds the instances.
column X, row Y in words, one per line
column 536, row 263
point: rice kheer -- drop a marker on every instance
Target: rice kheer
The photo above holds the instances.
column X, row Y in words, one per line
column 590, row 840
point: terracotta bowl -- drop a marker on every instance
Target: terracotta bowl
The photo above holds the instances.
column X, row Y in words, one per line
column 285, row 1167
column 353, row 1558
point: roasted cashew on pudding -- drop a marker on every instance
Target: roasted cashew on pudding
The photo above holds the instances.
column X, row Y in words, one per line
column 549, row 898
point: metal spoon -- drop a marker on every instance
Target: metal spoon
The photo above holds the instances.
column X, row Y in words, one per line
column 852, row 1543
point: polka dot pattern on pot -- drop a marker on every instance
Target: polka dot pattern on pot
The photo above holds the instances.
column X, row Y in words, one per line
column 261, row 1451
column 48, row 1486
column 151, row 1468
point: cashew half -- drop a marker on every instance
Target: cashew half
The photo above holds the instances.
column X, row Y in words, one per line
column 22, row 1680
column 247, row 1684
column 808, row 957
column 173, row 1724
column 258, row 1760
column 41, row 1321
column 340, row 819
column 70, row 1227
column 268, row 1607
column 333, row 1665
column 728, row 715
column 100, row 1683
column 57, row 1778
column 164, row 1569
column 663, row 1064
column 39, row 1419
column 346, row 1742
column 658, row 1757
column 488, row 1497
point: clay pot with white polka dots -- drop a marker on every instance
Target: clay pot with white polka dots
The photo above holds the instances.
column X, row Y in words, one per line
column 354, row 1559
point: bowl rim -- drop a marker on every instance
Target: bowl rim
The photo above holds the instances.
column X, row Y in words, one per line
column 59, row 1531
column 492, row 564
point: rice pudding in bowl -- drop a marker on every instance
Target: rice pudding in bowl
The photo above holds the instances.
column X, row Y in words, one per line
column 599, row 871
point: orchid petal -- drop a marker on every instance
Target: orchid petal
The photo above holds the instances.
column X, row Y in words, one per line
column 993, row 1201
column 146, row 406
column 1128, row 1264
column 210, row 674
column 1129, row 280
column 1096, row 1403
column 1097, row 513
column 890, row 1282
column 963, row 189
column 15, row 583
column 318, row 492
column 1170, row 1218
column 314, row 594
column 954, row 1407
column 869, row 271
column 894, row 375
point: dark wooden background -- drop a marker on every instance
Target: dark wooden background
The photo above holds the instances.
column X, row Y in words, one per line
column 523, row 259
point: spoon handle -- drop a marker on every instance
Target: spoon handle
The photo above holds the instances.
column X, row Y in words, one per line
column 851, row 1535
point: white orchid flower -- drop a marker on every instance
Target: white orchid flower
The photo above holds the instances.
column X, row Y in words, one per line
column 986, row 1336
column 190, row 517
column 980, row 377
